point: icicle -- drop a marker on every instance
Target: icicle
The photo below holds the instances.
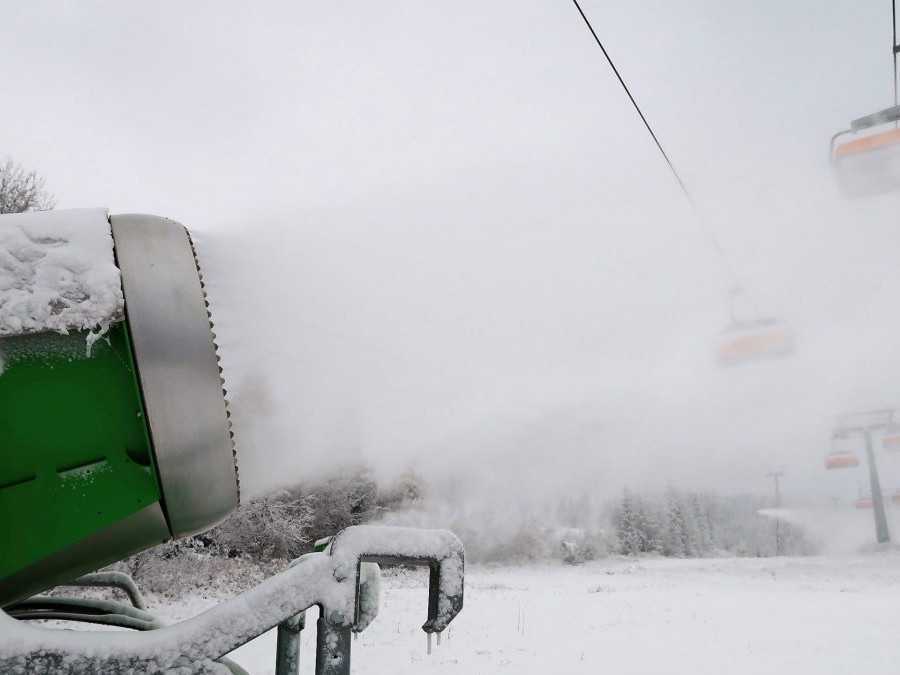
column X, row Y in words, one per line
column 439, row 639
column 429, row 643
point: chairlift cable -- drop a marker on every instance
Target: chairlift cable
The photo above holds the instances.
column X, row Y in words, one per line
column 701, row 223
column 894, row 47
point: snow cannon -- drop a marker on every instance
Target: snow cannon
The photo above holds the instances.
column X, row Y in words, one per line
column 115, row 436
column 115, row 432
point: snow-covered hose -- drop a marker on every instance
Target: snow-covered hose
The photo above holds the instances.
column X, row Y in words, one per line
column 88, row 610
column 112, row 579
column 329, row 580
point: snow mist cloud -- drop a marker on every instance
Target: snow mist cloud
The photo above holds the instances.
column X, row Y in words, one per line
column 436, row 235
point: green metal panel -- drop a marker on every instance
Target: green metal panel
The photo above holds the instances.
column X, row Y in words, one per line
column 75, row 454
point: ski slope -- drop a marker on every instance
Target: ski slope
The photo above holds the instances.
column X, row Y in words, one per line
column 736, row 616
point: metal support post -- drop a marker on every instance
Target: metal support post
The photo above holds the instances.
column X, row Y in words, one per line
column 882, row 534
column 287, row 650
column 332, row 647
column 776, row 476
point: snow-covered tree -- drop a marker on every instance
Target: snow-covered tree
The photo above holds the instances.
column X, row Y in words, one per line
column 677, row 539
column 22, row 190
column 275, row 526
column 627, row 522
column 636, row 525
column 700, row 524
column 348, row 497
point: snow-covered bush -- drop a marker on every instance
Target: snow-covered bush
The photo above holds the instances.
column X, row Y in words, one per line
column 22, row 190
column 174, row 570
column 259, row 538
column 347, row 497
column 275, row 526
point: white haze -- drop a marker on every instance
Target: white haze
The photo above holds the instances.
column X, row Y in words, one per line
column 435, row 234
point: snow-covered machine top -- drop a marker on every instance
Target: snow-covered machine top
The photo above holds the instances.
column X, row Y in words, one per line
column 116, row 433
column 58, row 272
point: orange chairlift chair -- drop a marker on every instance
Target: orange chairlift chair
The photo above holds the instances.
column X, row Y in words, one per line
column 868, row 163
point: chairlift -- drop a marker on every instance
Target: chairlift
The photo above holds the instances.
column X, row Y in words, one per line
column 891, row 439
column 747, row 341
column 868, row 162
column 843, row 453
column 841, row 460
column 750, row 340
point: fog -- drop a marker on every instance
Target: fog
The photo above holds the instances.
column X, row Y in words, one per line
column 436, row 235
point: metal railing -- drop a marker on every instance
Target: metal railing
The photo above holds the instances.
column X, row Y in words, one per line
column 340, row 580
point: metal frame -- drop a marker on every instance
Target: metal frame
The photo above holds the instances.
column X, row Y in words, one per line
column 179, row 371
column 332, row 580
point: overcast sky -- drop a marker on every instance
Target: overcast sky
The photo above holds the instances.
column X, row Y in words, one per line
column 435, row 232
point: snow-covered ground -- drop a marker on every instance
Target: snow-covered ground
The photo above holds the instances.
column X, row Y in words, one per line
column 788, row 615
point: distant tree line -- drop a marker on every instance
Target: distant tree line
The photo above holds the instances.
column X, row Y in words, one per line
column 580, row 527
column 261, row 535
column 682, row 524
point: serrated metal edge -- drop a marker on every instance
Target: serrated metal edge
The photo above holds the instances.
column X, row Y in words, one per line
column 212, row 331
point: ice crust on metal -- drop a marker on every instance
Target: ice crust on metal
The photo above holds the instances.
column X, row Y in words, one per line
column 58, row 272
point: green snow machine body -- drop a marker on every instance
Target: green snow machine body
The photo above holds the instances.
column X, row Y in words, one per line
column 114, row 442
column 115, row 436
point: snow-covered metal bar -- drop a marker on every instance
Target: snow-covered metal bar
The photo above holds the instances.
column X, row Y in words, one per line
column 330, row 580
column 440, row 550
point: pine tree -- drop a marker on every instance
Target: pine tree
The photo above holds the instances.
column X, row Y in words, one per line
column 677, row 540
column 700, row 520
column 627, row 525
column 650, row 524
